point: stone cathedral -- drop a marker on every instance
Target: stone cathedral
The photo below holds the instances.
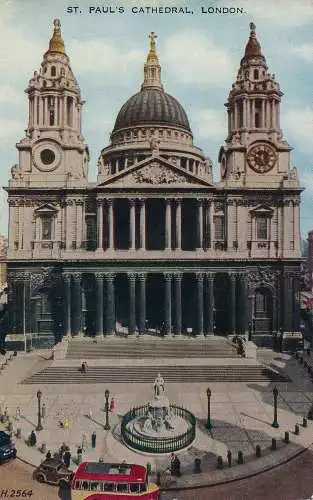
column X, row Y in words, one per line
column 155, row 245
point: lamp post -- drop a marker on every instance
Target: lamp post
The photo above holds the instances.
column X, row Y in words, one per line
column 39, row 426
column 209, row 423
column 275, row 423
column 106, row 407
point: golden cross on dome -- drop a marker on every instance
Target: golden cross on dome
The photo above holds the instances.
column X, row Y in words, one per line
column 152, row 37
column 57, row 24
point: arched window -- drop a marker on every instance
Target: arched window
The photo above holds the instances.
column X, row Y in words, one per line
column 261, row 228
column 70, row 111
column 258, row 114
column 53, row 71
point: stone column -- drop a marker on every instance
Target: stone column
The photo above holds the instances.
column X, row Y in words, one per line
column 99, row 277
column 199, row 277
column 210, row 303
column 132, row 303
column 67, row 304
column 132, row 224
column 232, row 302
column 296, row 302
column 142, row 310
column 178, row 224
column 168, row 225
column 79, row 226
column 143, row 224
column 77, row 303
column 111, row 224
column 288, row 297
column 100, row 225
column 168, row 304
column 178, row 303
column 246, row 303
column 200, row 225
column 110, row 304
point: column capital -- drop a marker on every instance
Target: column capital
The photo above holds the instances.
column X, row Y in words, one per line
column 142, row 276
column 99, row 276
column 67, row 276
column 109, row 277
column 178, row 276
column 141, row 200
column 168, row 276
column 132, row 276
column 77, row 276
column 99, row 202
column 178, row 200
column 109, row 201
column 200, row 201
column 232, row 276
column 200, row 276
column 132, row 201
column 210, row 276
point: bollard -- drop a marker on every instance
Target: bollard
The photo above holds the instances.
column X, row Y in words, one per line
column 240, row 457
column 258, row 451
column 158, row 478
column 287, row 439
column 229, row 457
column 93, row 439
column 220, row 464
column 297, row 430
column 197, row 468
column 274, row 444
column 304, row 422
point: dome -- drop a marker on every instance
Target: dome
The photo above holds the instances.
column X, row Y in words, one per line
column 151, row 106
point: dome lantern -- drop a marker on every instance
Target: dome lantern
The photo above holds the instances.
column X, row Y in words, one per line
column 152, row 68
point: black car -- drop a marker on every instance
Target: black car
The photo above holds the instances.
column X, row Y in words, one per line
column 7, row 448
column 53, row 471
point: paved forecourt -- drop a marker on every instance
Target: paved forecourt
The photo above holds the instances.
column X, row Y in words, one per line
column 241, row 414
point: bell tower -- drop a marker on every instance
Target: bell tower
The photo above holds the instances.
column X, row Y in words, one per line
column 53, row 153
column 255, row 153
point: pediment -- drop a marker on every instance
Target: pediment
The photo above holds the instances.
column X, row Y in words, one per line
column 45, row 208
column 154, row 172
column 262, row 210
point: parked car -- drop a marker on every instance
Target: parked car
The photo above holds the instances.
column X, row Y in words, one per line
column 53, row 471
column 7, row 448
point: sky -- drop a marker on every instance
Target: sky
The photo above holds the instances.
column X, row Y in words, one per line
column 199, row 55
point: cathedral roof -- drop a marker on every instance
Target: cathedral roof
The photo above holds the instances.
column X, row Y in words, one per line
column 152, row 105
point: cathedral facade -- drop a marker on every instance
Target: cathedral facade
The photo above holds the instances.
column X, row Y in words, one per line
column 154, row 245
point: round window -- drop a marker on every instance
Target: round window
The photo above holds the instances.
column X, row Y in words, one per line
column 47, row 156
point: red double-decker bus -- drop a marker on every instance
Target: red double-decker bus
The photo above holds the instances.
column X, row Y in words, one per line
column 103, row 481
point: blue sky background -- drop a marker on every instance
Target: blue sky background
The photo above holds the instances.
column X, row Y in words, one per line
column 199, row 55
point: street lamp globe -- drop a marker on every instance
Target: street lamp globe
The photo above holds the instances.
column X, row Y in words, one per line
column 107, row 394
column 39, row 394
column 209, row 392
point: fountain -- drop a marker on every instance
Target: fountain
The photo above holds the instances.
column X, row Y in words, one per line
column 158, row 427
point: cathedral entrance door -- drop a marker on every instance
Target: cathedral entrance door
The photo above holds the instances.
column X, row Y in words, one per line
column 263, row 311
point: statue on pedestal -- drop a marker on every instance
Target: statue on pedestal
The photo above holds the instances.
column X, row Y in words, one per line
column 158, row 386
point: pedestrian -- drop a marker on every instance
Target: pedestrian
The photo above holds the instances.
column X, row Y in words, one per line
column 171, row 463
column 18, row 413
column 90, row 414
column 93, row 439
column 67, row 458
column 48, row 455
column 6, row 414
column 79, row 454
column 43, row 411
column 176, row 467
column 112, row 405
column 84, row 443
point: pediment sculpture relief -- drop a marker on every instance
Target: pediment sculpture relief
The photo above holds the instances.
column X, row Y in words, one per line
column 157, row 174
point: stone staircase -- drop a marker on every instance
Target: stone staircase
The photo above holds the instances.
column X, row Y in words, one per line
column 144, row 374
column 151, row 347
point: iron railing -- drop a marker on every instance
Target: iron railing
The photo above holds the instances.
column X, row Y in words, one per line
column 158, row 444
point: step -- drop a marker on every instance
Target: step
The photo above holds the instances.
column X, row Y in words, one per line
column 172, row 374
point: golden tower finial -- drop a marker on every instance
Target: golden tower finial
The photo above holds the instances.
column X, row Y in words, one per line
column 252, row 29
column 152, row 56
column 56, row 43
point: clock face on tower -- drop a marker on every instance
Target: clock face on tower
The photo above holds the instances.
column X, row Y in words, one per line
column 262, row 158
